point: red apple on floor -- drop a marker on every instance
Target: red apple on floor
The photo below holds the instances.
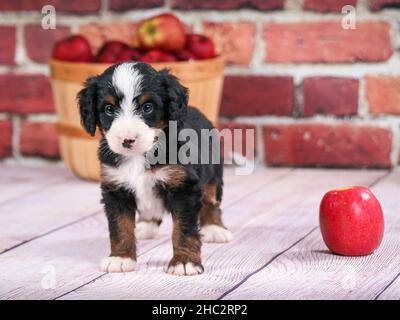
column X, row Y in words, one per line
column 185, row 55
column 157, row 56
column 164, row 32
column 74, row 48
column 351, row 221
column 201, row 46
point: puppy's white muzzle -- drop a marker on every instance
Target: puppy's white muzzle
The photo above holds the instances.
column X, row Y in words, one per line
column 130, row 135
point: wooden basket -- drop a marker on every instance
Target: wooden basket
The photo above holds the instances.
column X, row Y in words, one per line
column 204, row 78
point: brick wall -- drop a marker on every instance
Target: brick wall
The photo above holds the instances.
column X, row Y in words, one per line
column 315, row 93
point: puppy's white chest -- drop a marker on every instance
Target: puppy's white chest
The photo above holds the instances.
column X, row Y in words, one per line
column 133, row 176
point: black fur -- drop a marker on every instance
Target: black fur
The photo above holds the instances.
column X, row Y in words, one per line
column 118, row 202
column 177, row 98
column 171, row 103
column 87, row 100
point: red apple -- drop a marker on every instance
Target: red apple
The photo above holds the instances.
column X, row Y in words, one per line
column 110, row 51
column 164, row 32
column 157, row 56
column 185, row 55
column 74, row 48
column 201, row 46
column 128, row 54
column 135, row 41
column 106, row 57
column 351, row 221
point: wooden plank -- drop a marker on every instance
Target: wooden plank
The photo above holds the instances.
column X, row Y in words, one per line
column 66, row 254
column 266, row 223
column 309, row 271
column 391, row 291
column 50, row 208
column 237, row 187
column 35, row 214
column 389, row 192
column 16, row 181
column 74, row 252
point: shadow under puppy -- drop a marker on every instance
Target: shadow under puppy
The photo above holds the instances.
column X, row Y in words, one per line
column 132, row 105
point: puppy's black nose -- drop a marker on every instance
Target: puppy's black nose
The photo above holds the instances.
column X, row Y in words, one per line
column 127, row 144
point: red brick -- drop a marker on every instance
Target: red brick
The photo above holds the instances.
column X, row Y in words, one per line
column 5, row 138
column 257, row 95
column 39, row 139
column 240, row 145
column 70, row 6
column 25, row 93
column 122, row 5
column 98, row 33
column 383, row 94
column 337, row 145
column 234, row 40
column 7, row 44
column 330, row 95
column 328, row 5
column 39, row 42
column 227, row 4
column 327, row 42
column 377, row 5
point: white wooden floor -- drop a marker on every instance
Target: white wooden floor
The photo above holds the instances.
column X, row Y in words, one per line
column 53, row 234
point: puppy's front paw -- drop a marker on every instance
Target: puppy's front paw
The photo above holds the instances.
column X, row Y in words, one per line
column 117, row 264
column 212, row 233
column 185, row 269
column 146, row 230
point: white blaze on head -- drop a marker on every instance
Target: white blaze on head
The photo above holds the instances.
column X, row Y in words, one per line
column 128, row 81
column 127, row 125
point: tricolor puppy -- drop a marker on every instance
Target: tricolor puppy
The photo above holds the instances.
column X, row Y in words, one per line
column 132, row 104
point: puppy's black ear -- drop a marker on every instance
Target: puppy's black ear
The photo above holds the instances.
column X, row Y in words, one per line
column 87, row 100
column 177, row 96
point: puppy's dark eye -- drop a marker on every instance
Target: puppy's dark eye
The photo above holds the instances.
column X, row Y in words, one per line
column 148, row 108
column 109, row 110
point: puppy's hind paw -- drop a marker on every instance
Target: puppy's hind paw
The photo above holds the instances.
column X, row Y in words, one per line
column 213, row 233
column 117, row 264
column 146, row 230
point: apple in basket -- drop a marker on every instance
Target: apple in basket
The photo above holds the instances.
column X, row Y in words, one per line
column 74, row 49
column 185, row 55
column 351, row 221
column 157, row 56
column 116, row 51
column 163, row 32
column 202, row 47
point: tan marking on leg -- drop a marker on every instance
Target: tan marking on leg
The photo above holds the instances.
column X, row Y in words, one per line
column 125, row 244
column 186, row 248
column 212, row 229
column 187, row 253
column 210, row 212
column 210, row 193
